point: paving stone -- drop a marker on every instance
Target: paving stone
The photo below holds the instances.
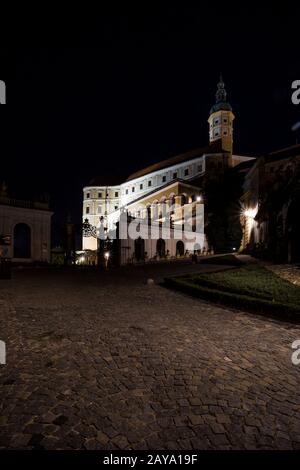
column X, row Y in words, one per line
column 97, row 361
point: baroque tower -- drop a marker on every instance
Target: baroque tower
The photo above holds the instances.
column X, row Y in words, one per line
column 221, row 119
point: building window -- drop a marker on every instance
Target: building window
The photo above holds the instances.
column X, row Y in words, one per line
column 88, row 195
column 175, row 175
column 116, row 194
column 141, row 186
column 87, row 210
column 149, row 183
column 100, row 195
column 186, row 172
column 99, row 209
column 133, row 189
column 116, row 208
column 225, row 132
column 199, row 168
column 225, row 120
column 164, row 179
column 126, row 191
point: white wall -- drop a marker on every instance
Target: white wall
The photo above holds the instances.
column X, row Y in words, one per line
column 40, row 226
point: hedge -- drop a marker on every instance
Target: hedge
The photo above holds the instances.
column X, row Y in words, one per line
column 240, row 301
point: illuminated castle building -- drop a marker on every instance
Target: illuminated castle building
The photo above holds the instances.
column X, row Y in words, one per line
column 176, row 180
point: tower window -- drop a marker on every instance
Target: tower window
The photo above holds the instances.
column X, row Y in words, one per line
column 88, row 195
column 164, row 178
column 141, row 186
column 199, row 168
column 99, row 195
column 116, row 194
column 87, row 210
column 133, row 189
column 225, row 120
column 186, row 172
column 149, row 183
column 126, row 191
column 225, row 132
column 175, row 175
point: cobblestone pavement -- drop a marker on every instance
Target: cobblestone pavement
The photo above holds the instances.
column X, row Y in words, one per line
column 102, row 361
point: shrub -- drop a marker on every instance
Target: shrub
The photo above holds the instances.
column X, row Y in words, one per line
column 237, row 300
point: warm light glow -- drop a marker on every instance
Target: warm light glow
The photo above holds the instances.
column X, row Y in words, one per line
column 199, row 198
column 250, row 213
column 82, row 259
column 106, row 255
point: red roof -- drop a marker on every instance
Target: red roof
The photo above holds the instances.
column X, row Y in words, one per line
column 215, row 147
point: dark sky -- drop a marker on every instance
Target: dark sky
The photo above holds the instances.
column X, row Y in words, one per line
column 113, row 91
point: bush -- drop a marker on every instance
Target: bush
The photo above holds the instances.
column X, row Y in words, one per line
column 233, row 299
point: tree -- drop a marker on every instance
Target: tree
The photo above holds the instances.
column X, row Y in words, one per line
column 223, row 227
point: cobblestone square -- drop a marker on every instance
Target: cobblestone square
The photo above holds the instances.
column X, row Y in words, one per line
column 105, row 361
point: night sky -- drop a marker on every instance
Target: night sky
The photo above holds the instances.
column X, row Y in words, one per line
column 113, row 91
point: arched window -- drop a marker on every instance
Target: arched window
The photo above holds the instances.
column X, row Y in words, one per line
column 22, row 241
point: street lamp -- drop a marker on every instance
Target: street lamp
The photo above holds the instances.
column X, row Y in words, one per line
column 106, row 257
column 249, row 223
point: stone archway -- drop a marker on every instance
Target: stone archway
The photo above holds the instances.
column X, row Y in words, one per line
column 139, row 249
column 179, row 248
column 22, row 241
column 161, row 247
